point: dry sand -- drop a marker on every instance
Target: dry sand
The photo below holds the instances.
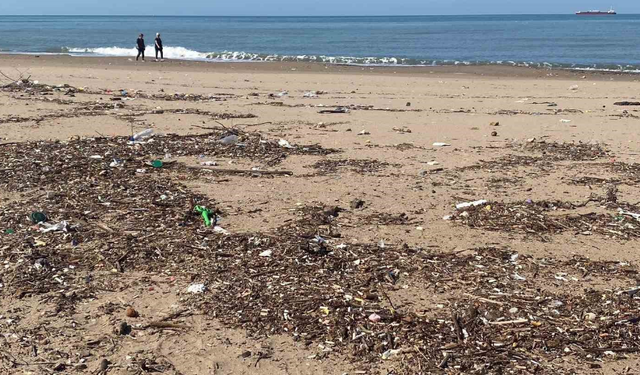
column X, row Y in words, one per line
column 562, row 126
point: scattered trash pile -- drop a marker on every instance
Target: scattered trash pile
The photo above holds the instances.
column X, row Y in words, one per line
column 544, row 218
column 337, row 297
column 507, row 162
column 34, row 165
column 217, row 97
column 554, row 151
column 361, row 166
column 549, row 152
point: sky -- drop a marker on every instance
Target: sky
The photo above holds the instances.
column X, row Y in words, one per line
column 307, row 7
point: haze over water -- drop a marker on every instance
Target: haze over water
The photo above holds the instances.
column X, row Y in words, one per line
column 608, row 42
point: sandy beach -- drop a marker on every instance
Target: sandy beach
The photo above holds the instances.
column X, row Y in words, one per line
column 340, row 247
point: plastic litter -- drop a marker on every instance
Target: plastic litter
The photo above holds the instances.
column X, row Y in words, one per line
column 38, row 217
column 337, row 110
column 220, row 230
column 47, row 227
column 229, row 140
column 141, row 136
column 157, row 163
column 205, row 213
column 266, row 253
column 390, row 353
column 196, row 288
column 565, row 121
column 441, row 144
column 470, row 204
column 284, row 143
column 627, row 213
column 375, row 318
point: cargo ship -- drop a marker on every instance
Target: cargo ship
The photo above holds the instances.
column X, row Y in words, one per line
column 610, row 12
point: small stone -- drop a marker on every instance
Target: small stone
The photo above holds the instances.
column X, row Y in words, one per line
column 245, row 354
column 408, row 104
column 131, row 312
column 494, row 134
column 513, row 310
column 495, row 123
column 590, row 317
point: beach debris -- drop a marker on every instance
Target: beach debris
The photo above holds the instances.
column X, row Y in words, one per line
column 565, row 121
column 38, row 217
column 284, row 143
column 390, row 353
column 631, row 214
column 574, row 87
column 229, row 139
column 266, row 253
column 196, row 288
column 364, row 132
column 494, row 134
column 440, row 144
column 208, row 217
column 408, row 104
column 494, row 123
column 356, row 204
column 142, row 136
column 626, row 103
column 375, row 318
column 464, row 205
column 401, row 130
column 131, row 312
column 124, row 329
column 58, row 227
column 336, row 110
column 433, row 162
column 361, row 166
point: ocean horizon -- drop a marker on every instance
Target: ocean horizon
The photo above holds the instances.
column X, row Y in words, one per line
column 563, row 41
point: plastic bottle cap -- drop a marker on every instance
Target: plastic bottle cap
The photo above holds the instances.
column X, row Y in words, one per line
column 38, row 217
column 156, row 164
column 9, row 231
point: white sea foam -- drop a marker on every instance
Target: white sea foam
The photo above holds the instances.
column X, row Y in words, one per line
column 169, row 52
column 182, row 53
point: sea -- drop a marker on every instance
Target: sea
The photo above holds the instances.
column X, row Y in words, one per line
column 551, row 41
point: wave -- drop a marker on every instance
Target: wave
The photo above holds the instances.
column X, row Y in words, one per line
column 183, row 53
column 169, row 52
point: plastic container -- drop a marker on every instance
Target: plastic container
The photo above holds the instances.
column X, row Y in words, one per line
column 229, row 140
column 148, row 133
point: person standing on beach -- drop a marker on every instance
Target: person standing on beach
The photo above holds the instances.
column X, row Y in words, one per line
column 159, row 47
column 141, row 47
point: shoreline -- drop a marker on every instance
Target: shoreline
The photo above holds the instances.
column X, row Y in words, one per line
column 489, row 71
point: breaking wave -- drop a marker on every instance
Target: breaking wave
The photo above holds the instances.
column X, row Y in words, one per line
column 182, row 53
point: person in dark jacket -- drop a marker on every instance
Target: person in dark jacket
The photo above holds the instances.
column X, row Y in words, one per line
column 140, row 45
column 159, row 47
